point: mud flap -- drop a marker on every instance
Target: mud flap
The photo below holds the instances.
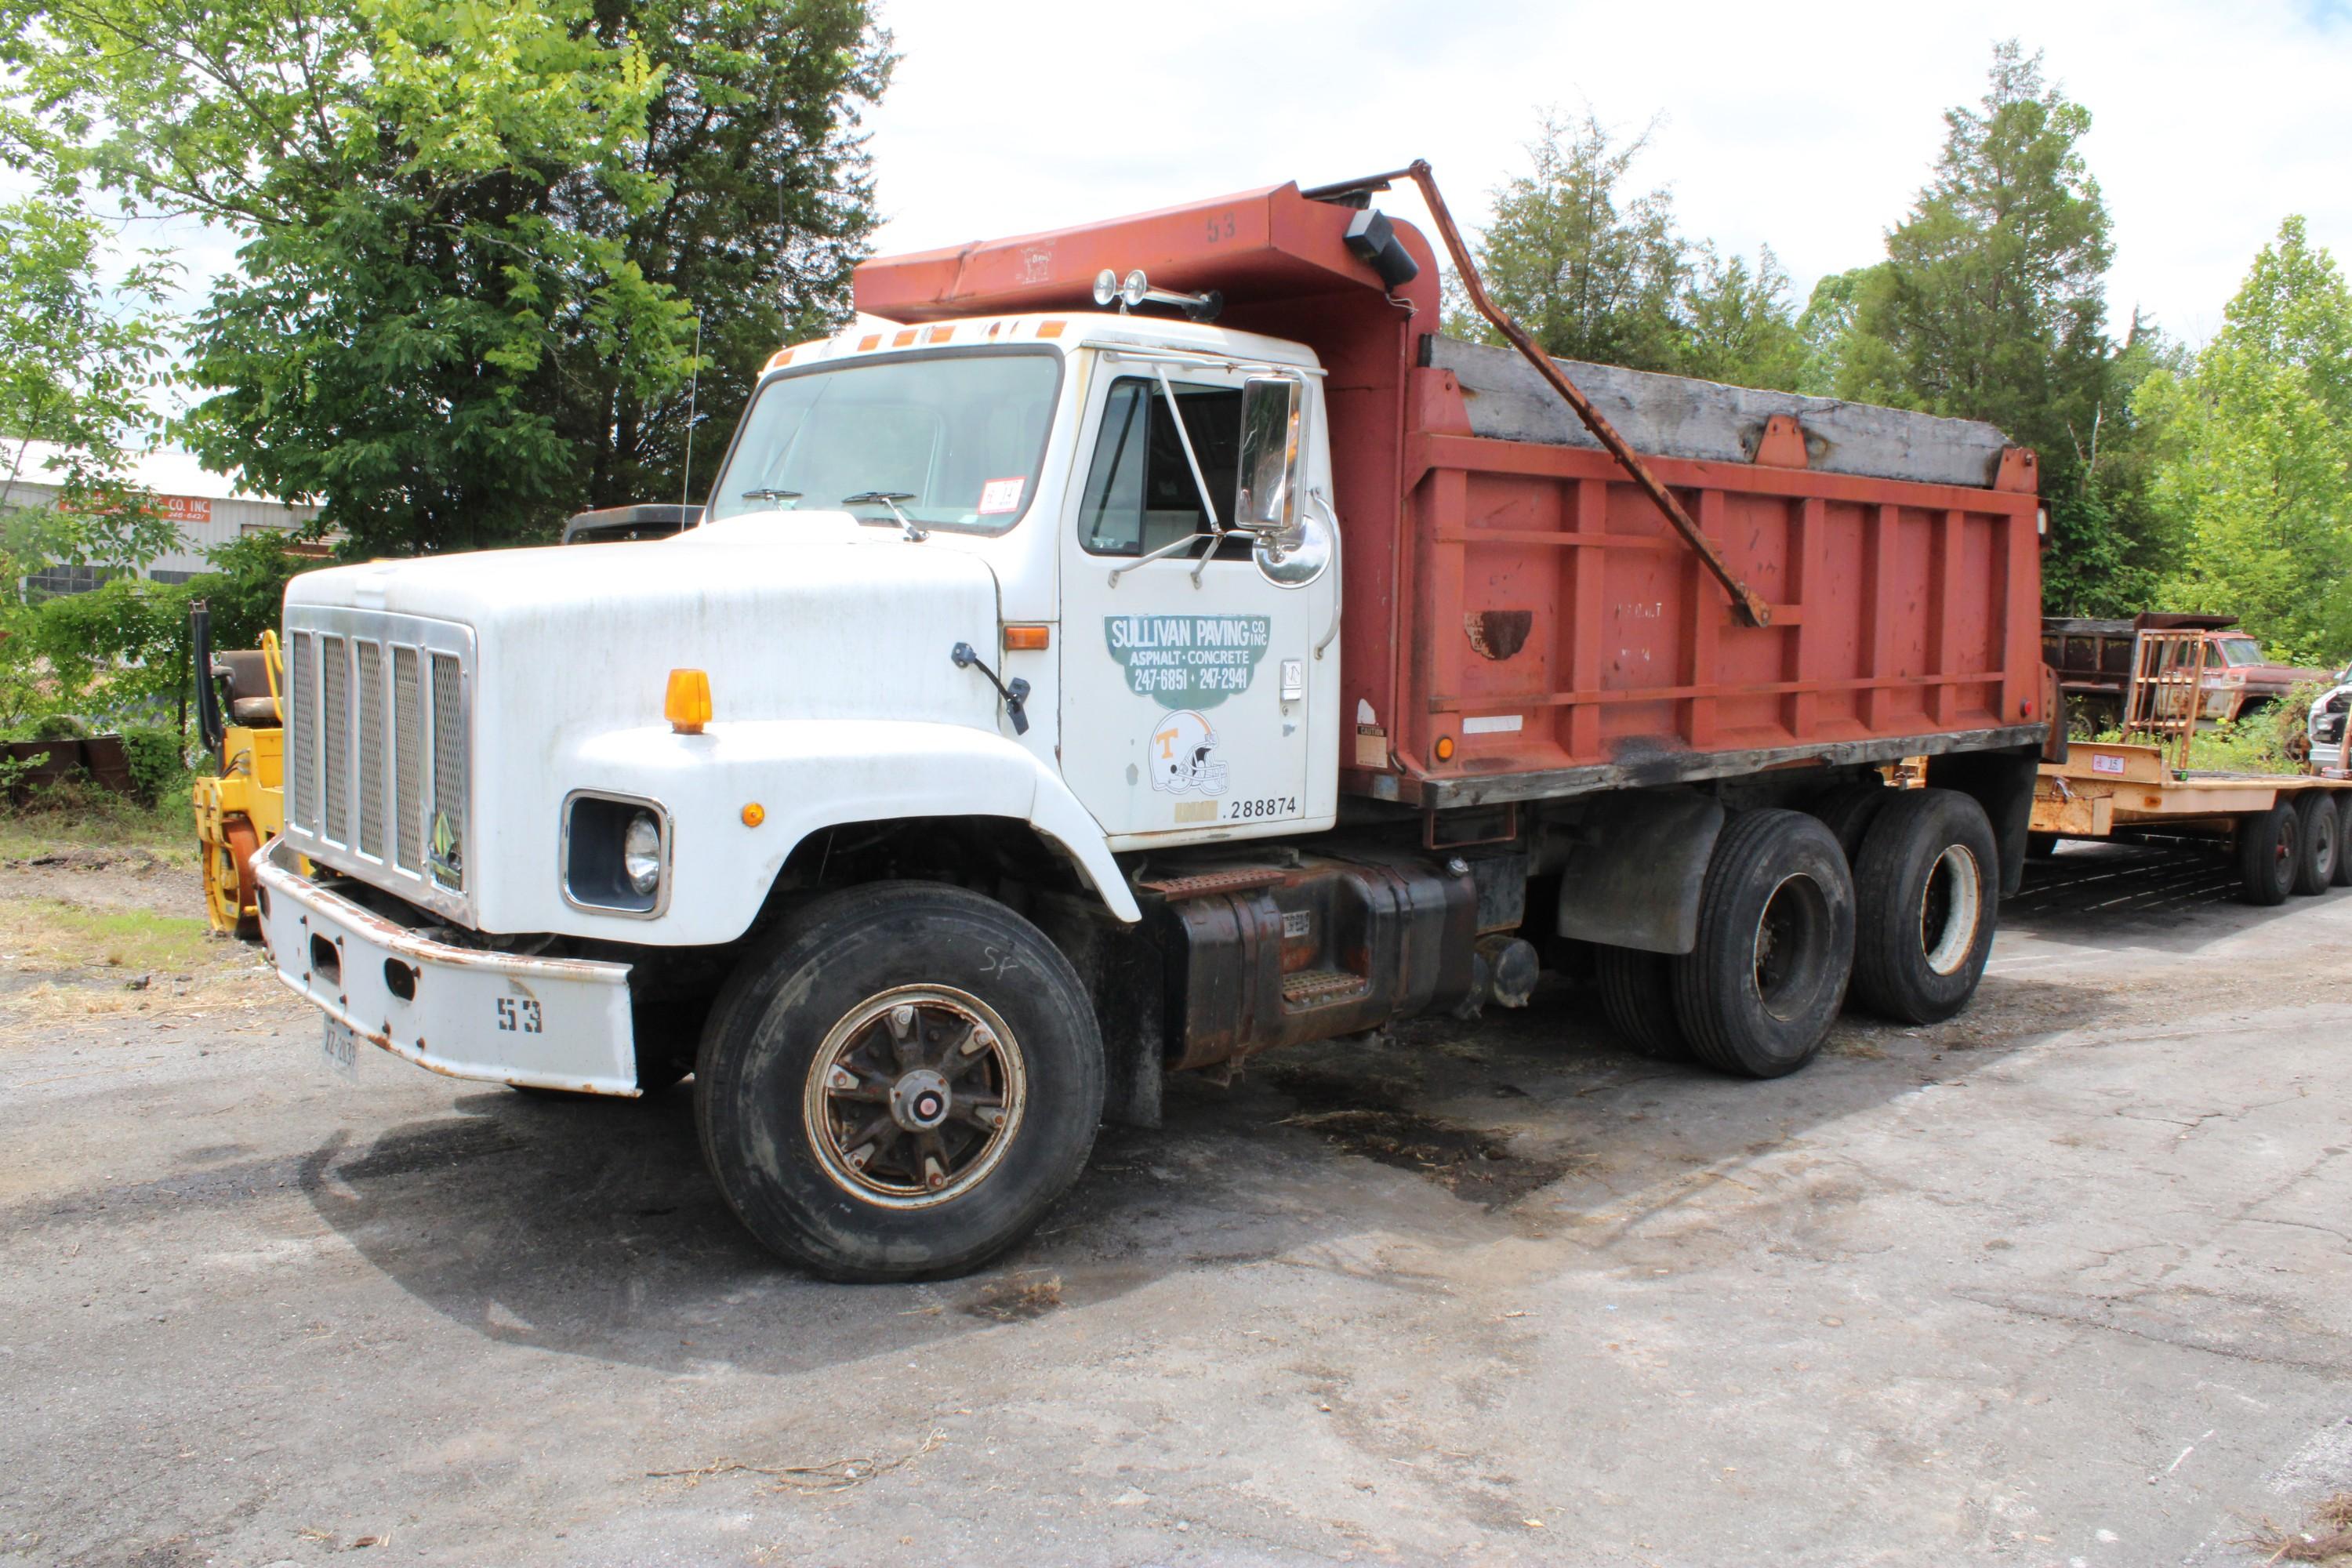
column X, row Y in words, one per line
column 1633, row 878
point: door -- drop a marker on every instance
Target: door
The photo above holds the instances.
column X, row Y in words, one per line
column 1186, row 682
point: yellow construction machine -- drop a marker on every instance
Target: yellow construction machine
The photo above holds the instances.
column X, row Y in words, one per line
column 241, row 715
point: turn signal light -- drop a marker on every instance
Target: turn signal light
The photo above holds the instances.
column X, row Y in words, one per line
column 687, row 704
column 1027, row 639
column 1444, row 748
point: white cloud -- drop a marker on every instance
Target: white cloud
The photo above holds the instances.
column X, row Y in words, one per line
column 1809, row 128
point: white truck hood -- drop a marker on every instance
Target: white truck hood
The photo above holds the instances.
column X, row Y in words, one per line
column 834, row 621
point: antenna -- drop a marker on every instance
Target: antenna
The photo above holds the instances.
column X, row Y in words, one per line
column 693, row 384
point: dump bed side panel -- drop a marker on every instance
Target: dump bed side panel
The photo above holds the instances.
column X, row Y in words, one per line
column 1560, row 636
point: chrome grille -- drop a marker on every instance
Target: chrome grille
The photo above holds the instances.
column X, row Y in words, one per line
column 377, row 781
column 373, row 741
column 408, row 760
column 335, row 729
column 448, row 773
column 301, row 699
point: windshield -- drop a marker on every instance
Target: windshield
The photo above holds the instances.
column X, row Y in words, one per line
column 955, row 438
column 2238, row 651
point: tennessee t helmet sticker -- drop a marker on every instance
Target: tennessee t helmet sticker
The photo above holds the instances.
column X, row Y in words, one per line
column 1184, row 752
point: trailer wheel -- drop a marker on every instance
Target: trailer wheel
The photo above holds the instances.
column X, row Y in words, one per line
column 1926, row 891
column 1638, row 999
column 2342, row 800
column 2269, row 845
column 899, row 1082
column 1757, row 994
column 2316, row 857
column 1848, row 814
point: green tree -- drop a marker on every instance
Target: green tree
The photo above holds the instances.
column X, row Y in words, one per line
column 767, row 206
column 1826, row 327
column 79, row 361
column 1737, row 323
column 1592, row 271
column 2253, row 455
column 445, row 325
column 1992, row 305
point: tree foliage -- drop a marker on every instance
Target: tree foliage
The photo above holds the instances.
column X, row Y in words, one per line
column 79, row 357
column 2253, row 455
column 473, row 235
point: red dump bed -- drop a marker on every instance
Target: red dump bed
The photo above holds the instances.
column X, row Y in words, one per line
column 1512, row 597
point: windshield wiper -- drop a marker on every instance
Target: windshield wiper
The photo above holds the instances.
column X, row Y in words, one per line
column 891, row 499
column 768, row 493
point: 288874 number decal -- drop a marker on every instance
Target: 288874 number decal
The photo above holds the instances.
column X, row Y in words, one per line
column 1263, row 806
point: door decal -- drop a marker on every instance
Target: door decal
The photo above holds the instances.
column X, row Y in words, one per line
column 1198, row 661
column 1184, row 752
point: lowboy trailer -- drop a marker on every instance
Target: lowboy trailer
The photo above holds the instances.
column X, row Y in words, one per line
column 1159, row 645
column 2286, row 833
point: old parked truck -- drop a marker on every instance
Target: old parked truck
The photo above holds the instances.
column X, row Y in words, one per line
column 2103, row 665
column 1158, row 645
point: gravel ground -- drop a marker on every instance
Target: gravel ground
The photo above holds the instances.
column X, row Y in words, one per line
column 2066, row 1281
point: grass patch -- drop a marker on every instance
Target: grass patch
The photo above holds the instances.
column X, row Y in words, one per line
column 48, row 934
column 81, row 816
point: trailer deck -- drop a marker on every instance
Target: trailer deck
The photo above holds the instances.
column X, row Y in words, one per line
column 2106, row 787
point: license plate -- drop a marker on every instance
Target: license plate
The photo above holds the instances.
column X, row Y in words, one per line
column 340, row 1047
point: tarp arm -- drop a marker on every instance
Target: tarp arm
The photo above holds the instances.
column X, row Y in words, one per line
column 1745, row 603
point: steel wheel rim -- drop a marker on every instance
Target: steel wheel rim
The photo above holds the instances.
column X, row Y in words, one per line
column 1951, row 904
column 914, row 1096
column 1790, row 929
column 2323, row 840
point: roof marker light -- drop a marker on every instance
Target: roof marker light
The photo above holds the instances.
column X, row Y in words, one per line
column 687, row 704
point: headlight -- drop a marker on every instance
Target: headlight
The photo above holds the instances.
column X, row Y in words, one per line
column 616, row 854
column 641, row 853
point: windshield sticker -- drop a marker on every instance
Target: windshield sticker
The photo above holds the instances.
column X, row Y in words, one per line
column 1196, row 659
column 1001, row 496
column 1184, row 752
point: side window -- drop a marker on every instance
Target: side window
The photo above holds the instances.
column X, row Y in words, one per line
column 1140, row 495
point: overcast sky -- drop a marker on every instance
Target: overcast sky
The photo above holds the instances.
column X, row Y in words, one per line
column 1807, row 128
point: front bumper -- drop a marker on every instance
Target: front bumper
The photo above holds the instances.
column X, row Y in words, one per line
column 542, row 1023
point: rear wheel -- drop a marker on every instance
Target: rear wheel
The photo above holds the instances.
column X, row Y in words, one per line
column 2269, row 842
column 2316, row 857
column 1848, row 814
column 1925, row 891
column 1638, row 1000
column 1758, row 993
column 899, row 1082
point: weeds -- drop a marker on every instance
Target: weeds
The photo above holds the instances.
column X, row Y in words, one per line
column 2326, row 1536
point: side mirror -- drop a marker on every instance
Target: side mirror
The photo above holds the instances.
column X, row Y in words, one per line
column 1265, row 499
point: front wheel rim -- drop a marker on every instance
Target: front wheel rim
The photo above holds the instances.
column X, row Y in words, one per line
column 1949, row 906
column 914, row 1096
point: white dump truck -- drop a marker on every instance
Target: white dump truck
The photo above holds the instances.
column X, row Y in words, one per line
column 1155, row 647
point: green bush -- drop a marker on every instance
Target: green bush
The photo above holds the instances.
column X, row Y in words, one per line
column 57, row 727
column 159, row 765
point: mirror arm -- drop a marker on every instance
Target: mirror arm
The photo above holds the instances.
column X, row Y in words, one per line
column 1200, row 481
column 1170, row 548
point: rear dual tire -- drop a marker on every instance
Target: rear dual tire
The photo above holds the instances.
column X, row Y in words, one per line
column 2269, row 845
column 2318, row 824
column 1928, row 884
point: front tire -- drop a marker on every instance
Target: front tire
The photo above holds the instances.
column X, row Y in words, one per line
column 1757, row 994
column 1926, row 891
column 899, row 1083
